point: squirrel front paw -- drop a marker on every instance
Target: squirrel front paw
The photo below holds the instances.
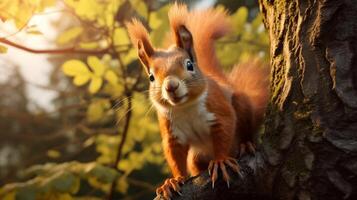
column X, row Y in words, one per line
column 165, row 190
column 221, row 164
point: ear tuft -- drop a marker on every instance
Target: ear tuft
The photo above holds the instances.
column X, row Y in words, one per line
column 137, row 32
column 178, row 14
column 139, row 37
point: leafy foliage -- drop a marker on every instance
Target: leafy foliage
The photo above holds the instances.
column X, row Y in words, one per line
column 108, row 86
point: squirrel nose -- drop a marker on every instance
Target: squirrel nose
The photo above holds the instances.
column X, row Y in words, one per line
column 171, row 85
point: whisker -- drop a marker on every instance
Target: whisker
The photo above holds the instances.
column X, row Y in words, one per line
column 148, row 111
column 116, row 105
column 124, row 115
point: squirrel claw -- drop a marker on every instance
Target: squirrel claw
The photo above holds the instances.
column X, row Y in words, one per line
column 165, row 191
column 246, row 147
column 221, row 164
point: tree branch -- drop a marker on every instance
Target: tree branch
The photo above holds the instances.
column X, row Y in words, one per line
column 247, row 186
column 54, row 51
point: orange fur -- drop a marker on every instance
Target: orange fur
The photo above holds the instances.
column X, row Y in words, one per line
column 228, row 108
column 207, row 26
column 223, row 131
column 177, row 16
column 137, row 32
column 252, row 81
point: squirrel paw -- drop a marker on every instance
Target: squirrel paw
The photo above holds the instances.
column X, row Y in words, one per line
column 246, row 147
column 215, row 164
column 164, row 191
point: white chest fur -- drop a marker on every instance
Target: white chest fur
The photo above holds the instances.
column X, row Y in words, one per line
column 191, row 124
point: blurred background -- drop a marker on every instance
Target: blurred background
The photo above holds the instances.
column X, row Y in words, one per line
column 75, row 119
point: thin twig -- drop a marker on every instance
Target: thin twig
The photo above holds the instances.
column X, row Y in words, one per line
column 121, row 145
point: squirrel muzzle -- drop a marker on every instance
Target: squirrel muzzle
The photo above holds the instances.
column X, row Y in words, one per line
column 174, row 90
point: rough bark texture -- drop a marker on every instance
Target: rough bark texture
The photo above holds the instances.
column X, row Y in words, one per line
column 247, row 185
column 309, row 148
column 311, row 127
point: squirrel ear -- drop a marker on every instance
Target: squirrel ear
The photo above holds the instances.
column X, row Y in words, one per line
column 140, row 39
column 184, row 40
column 145, row 52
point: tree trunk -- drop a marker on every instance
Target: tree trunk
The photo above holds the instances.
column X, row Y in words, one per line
column 310, row 140
column 309, row 148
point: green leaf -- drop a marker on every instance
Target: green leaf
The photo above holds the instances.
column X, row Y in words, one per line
column 95, row 84
column 69, row 35
column 26, row 193
column 3, row 49
column 65, row 182
column 96, row 65
column 74, row 68
column 103, row 174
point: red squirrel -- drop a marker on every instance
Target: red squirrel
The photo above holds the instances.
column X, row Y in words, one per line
column 207, row 117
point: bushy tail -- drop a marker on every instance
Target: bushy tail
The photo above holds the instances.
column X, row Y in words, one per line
column 206, row 26
column 252, row 80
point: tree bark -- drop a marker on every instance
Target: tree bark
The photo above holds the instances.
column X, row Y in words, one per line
column 310, row 140
column 309, row 148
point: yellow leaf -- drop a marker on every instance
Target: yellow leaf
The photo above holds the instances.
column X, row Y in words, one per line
column 115, row 90
column 159, row 33
column 122, row 185
column 89, row 142
column 3, row 49
column 69, row 35
column 111, row 77
column 95, row 84
column 80, row 80
column 75, row 67
column 64, row 197
column 89, row 45
column 155, row 20
column 120, row 37
column 53, row 153
column 140, row 7
column 239, row 19
column 89, row 8
column 130, row 56
column 45, row 4
column 10, row 196
column 96, row 65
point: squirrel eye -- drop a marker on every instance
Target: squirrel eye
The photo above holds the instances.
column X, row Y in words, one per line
column 189, row 65
column 151, row 77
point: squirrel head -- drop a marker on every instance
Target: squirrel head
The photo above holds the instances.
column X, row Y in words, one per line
column 175, row 78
